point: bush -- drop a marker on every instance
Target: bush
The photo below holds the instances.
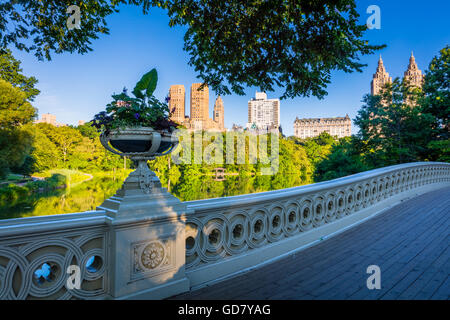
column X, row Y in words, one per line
column 12, row 194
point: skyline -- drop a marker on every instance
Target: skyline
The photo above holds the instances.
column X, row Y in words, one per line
column 75, row 87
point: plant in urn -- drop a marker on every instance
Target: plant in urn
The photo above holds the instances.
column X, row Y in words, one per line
column 138, row 128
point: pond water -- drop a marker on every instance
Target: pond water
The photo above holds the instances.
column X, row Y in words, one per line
column 90, row 194
column 83, row 197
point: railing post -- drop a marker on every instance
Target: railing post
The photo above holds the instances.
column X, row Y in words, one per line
column 147, row 244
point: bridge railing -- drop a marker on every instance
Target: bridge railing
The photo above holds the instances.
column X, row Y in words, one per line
column 138, row 245
column 36, row 255
column 227, row 235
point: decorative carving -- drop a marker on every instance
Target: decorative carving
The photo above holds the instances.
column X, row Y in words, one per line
column 153, row 255
column 36, row 266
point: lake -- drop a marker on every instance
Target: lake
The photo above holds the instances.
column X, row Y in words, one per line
column 90, row 194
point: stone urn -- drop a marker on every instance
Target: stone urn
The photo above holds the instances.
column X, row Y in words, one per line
column 140, row 144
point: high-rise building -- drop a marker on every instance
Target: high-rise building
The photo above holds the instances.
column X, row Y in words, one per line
column 413, row 74
column 263, row 113
column 380, row 78
column 312, row 127
column 199, row 103
column 218, row 115
column 177, row 103
column 199, row 108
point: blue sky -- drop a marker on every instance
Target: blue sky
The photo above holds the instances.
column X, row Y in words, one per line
column 75, row 87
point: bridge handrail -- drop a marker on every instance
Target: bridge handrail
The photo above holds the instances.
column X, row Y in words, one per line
column 231, row 233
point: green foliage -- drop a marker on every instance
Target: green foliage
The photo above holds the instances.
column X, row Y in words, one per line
column 343, row 160
column 196, row 180
column 15, row 145
column 11, row 72
column 15, row 110
column 142, row 111
column 232, row 44
column 436, row 103
column 393, row 127
column 271, row 43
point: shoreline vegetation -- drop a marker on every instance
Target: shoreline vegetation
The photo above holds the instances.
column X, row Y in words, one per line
column 18, row 189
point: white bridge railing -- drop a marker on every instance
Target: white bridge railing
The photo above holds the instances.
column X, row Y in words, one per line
column 169, row 247
column 226, row 235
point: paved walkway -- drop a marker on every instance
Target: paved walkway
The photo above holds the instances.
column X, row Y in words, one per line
column 409, row 242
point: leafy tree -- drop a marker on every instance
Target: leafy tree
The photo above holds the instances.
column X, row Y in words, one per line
column 15, row 141
column 232, row 43
column 393, row 127
column 15, row 145
column 11, row 72
column 44, row 153
column 65, row 139
column 344, row 159
column 15, row 110
column 436, row 103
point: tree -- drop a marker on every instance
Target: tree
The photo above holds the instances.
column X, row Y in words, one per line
column 65, row 139
column 15, row 110
column 393, row 127
column 345, row 159
column 436, row 103
column 15, row 141
column 11, row 72
column 232, row 43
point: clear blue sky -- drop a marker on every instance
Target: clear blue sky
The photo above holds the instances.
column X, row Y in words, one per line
column 75, row 87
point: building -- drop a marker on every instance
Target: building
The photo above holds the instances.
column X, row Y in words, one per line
column 218, row 115
column 263, row 113
column 177, row 103
column 50, row 119
column 199, row 108
column 380, row 78
column 312, row 127
column 413, row 74
column 81, row 122
column 199, row 103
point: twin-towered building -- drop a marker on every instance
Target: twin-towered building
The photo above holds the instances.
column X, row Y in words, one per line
column 341, row 126
column 381, row 77
column 199, row 108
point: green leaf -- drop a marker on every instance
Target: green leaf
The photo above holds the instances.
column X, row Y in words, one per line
column 148, row 83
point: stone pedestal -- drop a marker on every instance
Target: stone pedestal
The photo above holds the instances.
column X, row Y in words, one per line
column 147, row 241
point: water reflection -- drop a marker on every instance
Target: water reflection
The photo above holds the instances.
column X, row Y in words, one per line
column 88, row 195
column 83, row 197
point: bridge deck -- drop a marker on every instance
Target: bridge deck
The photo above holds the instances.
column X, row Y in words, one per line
column 409, row 242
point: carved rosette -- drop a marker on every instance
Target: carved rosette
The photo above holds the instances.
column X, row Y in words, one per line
column 151, row 257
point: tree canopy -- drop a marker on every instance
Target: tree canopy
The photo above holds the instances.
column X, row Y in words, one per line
column 232, row 43
column 11, row 72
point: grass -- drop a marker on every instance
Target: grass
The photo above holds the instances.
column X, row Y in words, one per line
column 72, row 176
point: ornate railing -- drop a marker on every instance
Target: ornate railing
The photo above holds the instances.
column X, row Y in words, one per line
column 188, row 244
column 36, row 255
column 238, row 226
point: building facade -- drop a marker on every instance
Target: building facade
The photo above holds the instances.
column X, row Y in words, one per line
column 177, row 103
column 199, row 108
column 380, row 78
column 413, row 74
column 312, row 127
column 218, row 115
column 263, row 113
column 50, row 119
